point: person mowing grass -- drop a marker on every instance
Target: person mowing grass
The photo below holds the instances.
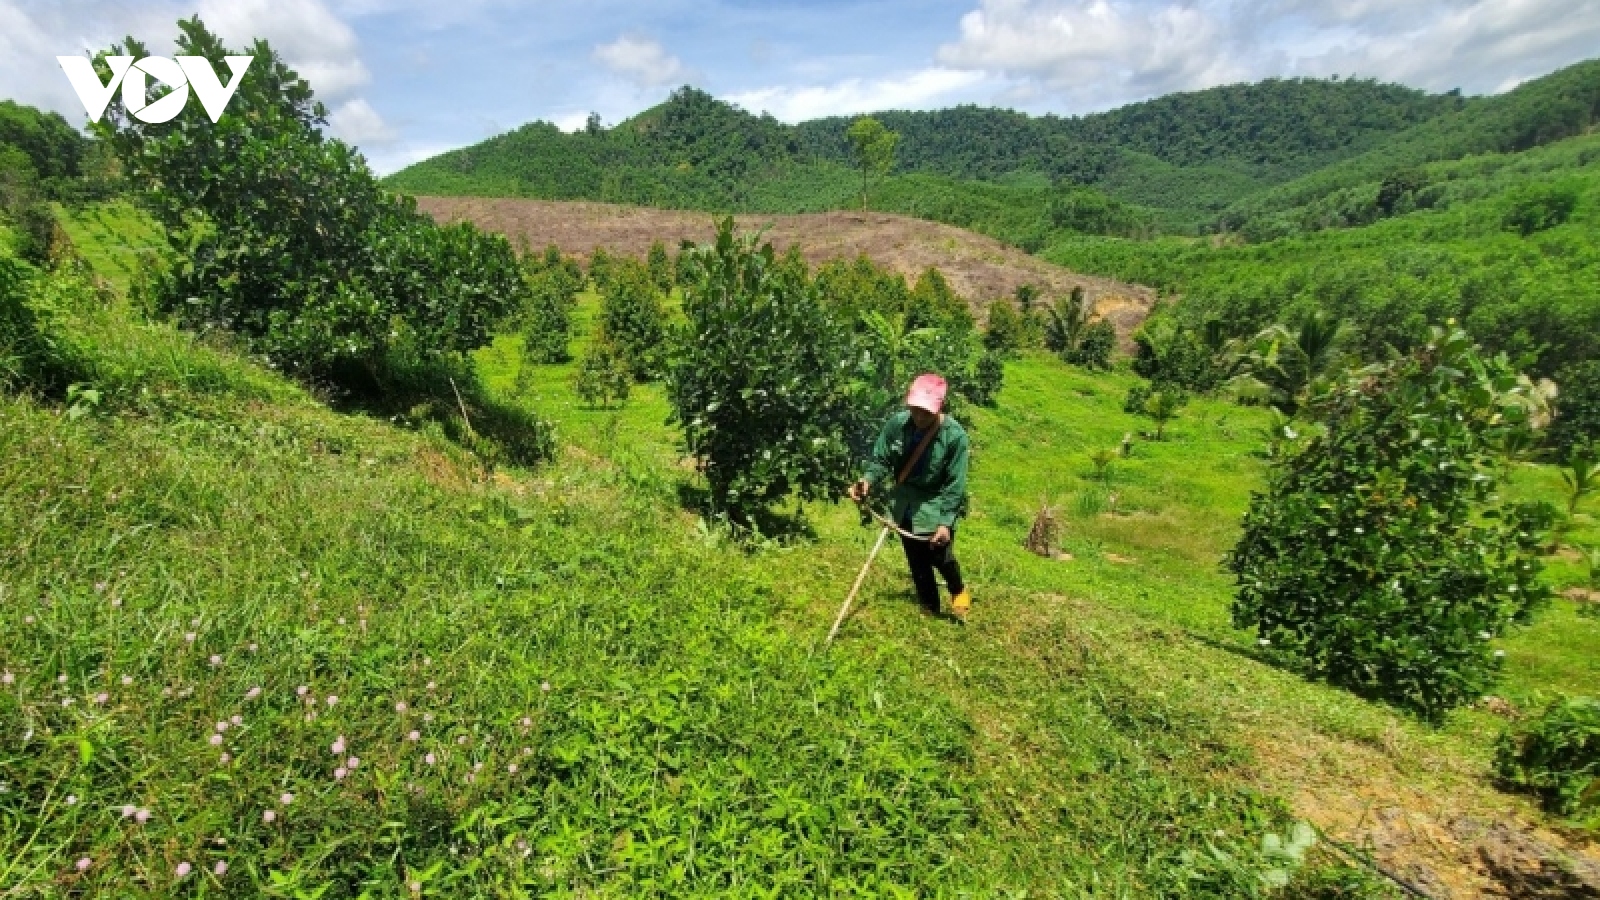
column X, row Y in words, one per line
column 926, row 451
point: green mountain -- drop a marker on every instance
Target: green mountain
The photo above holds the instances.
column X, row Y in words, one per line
column 1184, row 157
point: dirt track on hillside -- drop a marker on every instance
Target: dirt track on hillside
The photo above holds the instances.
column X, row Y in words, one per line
column 977, row 267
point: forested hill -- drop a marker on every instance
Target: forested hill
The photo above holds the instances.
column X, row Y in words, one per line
column 696, row 152
column 1272, row 157
column 1288, row 125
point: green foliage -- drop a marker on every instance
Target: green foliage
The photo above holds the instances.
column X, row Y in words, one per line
column 1577, row 418
column 1379, row 557
column 1088, row 211
column 1170, row 352
column 547, row 325
column 872, row 148
column 1581, row 475
column 1162, row 405
column 1287, row 363
column 1557, row 757
column 1095, row 345
column 54, row 149
column 283, row 237
column 1006, row 333
column 33, row 354
column 600, row 269
column 988, row 374
column 603, row 376
column 661, row 269
column 633, row 318
column 1538, row 207
column 763, row 380
column 934, row 304
column 852, row 289
column 1065, row 320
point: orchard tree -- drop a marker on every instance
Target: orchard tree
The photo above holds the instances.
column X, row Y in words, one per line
column 763, row 379
column 283, row 237
column 633, row 318
column 873, row 147
column 1380, row 556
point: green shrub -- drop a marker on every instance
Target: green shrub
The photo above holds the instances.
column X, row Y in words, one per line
column 987, row 377
column 662, row 274
column 1577, row 418
column 31, row 356
column 1379, row 557
column 1005, row 332
column 1557, row 757
column 1095, row 345
column 547, row 325
column 763, row 379
column 603, row 377
column 283, row 237
column 1537, row 207
column 633, row 318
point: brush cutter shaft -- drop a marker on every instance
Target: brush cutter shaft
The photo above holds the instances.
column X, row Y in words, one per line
column 843, row 610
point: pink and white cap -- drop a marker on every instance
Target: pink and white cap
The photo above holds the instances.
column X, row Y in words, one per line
column 927, row 392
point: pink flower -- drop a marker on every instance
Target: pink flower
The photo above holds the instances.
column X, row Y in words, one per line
column 236, row 719
column 116, row 601
column 427, row 717
column 216, row 740
column 332, row 699
column 189, row 637
column 338, row 745
column 225, row 759
column 432, row 685
column 8, row 678
column 61, row 679
column 252, row 693
column 340, row 773
column 414, row 736
column 286, row 798
column 72, row 799
column 195, row 621
column 215, row 659
column 527, row 751
column 462, row 740
column 415, row 886
column 341, row 620
column 512, row 768
column 184, row 869
column 301, row 691
column 100, row 699
column 400, row 706
column 427, row 660
column 268, row 816
column 221, row 727
column 84, row 864
column 141, row 815
column 352, row 762
column 66, row 701
column 127, row 680
column 544, row 686
column 27, row 620
column 254, row 648
column 430, row 759
column 128, row 810
column 220, row 869
column 527, row 722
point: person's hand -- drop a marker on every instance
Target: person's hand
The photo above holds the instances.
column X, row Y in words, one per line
column 940, row 537
column 859, row 490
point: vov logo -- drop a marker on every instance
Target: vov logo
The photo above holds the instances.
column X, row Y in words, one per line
column 181, row 73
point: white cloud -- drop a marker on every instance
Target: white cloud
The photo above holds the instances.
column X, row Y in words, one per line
column 570, row 122
column 311, row 39
column 1093, row 54
column 643, row 61
column 852, row 95
column 391, row 159
column 356, row 122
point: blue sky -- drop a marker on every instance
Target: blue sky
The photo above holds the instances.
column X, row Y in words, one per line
column 407, row 78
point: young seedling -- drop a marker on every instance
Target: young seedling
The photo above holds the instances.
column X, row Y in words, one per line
column 1581, row 476
column 1102, row 460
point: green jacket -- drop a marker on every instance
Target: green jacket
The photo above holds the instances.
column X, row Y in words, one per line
column 938, row 494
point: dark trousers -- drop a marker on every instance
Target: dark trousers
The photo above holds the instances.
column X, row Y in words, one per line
column 924, row 558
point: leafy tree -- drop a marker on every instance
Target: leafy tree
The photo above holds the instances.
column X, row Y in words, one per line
column 1578, row 406
column 660, row 268
column 1537, row 207
column 1065, row 321
column 600, row 266
column 987, row 377
column 1379, row 557
column 1004, row 335
column 1095, row 345
column 1162, row 405
column 603, row 376
column 548, row 321
column 851, row 289
column 1169, row 352
column 763, row 381
column 1288, row 361
column 934, row 304
column 633, row 318
column 282, row 236
column 873, row 148
column 1088, row 211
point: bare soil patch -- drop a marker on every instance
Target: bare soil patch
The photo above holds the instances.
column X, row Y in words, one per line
column 977, row 267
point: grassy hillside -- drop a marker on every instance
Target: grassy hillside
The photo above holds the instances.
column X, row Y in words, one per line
column 560, row 681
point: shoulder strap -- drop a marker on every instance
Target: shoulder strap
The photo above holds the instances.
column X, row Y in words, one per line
column 917, row 453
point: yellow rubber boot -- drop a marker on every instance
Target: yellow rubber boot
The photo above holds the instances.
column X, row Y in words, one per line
column 960, row 605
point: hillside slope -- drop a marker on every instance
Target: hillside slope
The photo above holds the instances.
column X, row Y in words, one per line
column 978, row 268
